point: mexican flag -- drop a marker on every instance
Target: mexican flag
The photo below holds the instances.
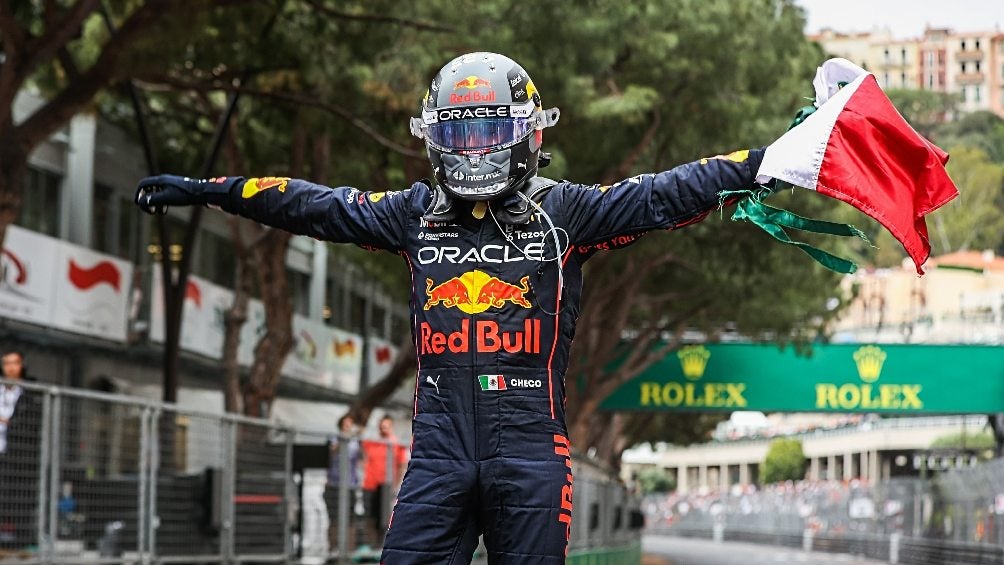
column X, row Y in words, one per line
column 491, row 382
column 857, row 148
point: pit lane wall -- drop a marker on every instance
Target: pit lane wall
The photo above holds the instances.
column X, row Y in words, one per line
column 89, row 477
column 954, row 517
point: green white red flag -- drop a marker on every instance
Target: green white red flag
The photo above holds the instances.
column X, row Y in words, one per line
column 856, row 147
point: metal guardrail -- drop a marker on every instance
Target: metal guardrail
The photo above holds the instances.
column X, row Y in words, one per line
column 955, row 517
column 88, row 477
column 969, row 422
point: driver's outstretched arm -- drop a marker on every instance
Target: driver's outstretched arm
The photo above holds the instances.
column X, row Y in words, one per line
column 342, row 214
column 667, row 200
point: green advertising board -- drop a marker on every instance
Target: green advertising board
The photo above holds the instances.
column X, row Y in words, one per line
column 901, row 379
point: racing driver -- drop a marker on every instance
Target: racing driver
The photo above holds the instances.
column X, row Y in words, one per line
column 495, row 254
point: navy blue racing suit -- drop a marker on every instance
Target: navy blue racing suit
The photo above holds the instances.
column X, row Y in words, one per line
column 490, row 451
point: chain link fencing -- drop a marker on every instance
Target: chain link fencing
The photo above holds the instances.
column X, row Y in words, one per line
column 88, row 477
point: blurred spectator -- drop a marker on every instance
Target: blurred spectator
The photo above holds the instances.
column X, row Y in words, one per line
column 376, row 485
column 20, row 422
column 346, row 444
column 69, row 519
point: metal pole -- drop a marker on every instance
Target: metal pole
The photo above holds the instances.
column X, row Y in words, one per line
column 154, row 522
column 142, row 516
column 54, row 477
column 287, row 533
column 387, row 499
column 343, row 499
column 227, row 505
column 44, row 460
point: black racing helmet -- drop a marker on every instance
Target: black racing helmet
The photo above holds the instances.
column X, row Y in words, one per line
column 482, row 123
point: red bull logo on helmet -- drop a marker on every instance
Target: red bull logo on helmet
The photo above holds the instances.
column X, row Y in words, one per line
column 471, row 85
column 476, row 291
column 472, row 82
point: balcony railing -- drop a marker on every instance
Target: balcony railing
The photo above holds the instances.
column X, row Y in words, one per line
column 973, row 55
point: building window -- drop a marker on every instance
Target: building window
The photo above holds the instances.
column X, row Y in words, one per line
column 885, row 80
column 977, row 66
column 930, row 81
column 963, row 68
column 902, row 53
column 962, row 92
column 216, row 261
column 902, row 80
column 930, row 58
column 40, row 205
column 977, row 93
column 299, row 287
column 963, row 44
column 114, row 222
column 331, row 301
column 977, row 46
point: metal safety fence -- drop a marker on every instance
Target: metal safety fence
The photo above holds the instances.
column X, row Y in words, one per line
column 954, row 517
column 88, row 477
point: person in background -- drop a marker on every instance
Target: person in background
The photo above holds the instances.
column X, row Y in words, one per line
column 376, row 486
column 347, row 440
column 20, row 423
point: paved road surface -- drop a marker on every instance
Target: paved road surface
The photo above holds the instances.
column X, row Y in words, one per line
column 684, row 551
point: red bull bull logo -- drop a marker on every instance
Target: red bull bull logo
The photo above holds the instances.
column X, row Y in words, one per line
column 472, row 82
column 476, row 291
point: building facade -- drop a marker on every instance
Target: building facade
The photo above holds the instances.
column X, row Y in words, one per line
column 78, row 205
column 969, row 64
column 872, row 450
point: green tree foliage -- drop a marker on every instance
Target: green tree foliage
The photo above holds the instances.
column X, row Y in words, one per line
column 981, row 441
column 784, row 461
column 974, row 220
column 925, row 110
column 655, row 480
column 979, row 130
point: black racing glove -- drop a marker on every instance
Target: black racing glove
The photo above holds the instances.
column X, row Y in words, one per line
column 155, row 194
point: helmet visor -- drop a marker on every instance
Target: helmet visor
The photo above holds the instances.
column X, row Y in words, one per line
column 479, row 133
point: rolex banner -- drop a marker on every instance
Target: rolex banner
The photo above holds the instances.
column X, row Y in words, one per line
column 901, row 379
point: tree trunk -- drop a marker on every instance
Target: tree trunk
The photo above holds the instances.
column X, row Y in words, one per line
column 236, row 316
column 273, row 282
column 13, row 169
column 271, row 350
column 377, row 393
